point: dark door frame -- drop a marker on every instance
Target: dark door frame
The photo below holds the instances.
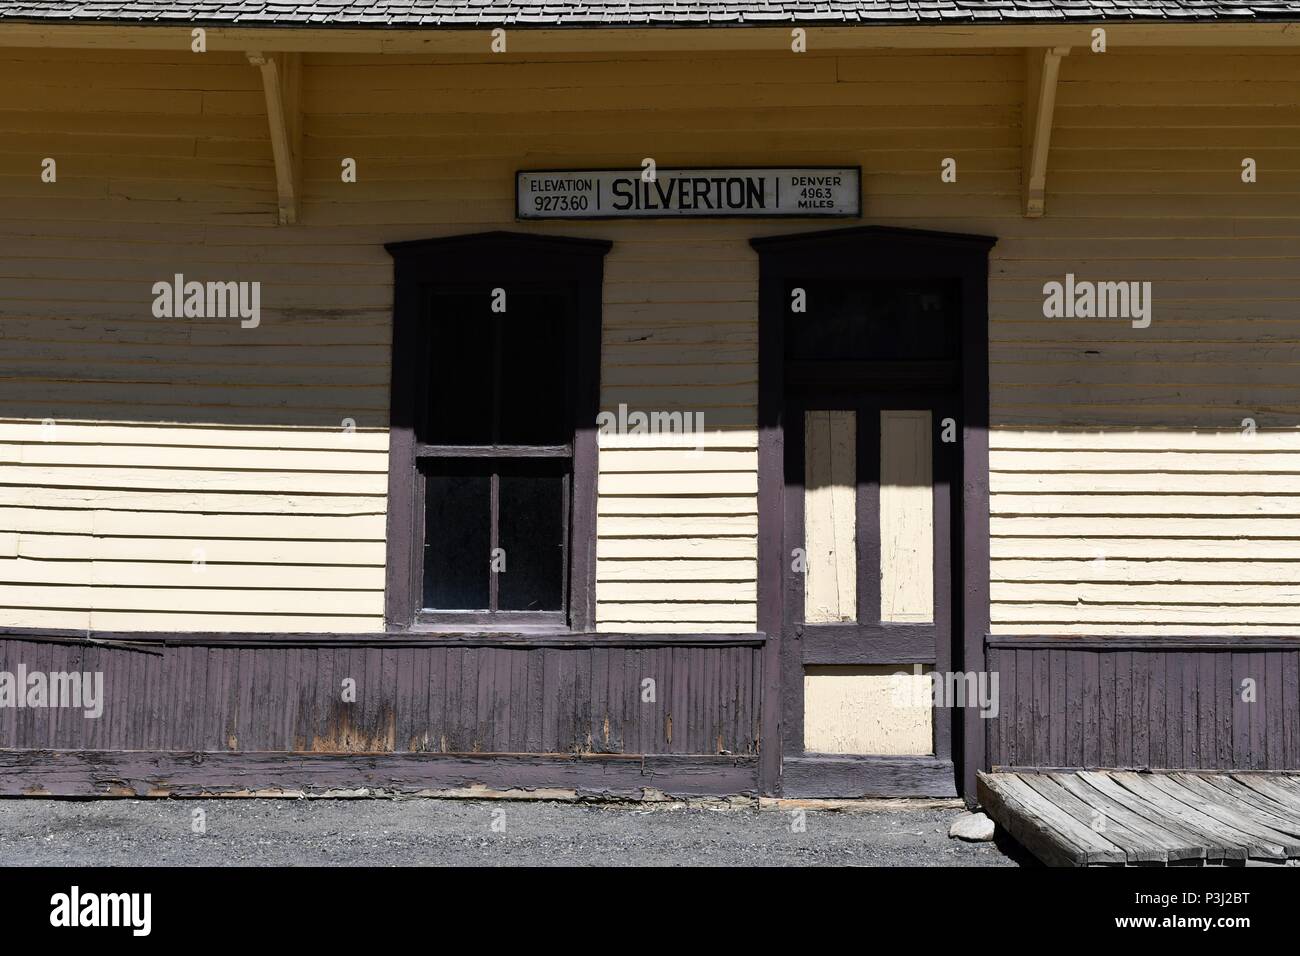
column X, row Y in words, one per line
column 887, row 253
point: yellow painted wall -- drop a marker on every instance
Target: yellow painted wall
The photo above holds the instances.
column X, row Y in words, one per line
column 1109, row 442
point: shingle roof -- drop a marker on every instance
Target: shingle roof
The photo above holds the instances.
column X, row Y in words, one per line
column 574, row 13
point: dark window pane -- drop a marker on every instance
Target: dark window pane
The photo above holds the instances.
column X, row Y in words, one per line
column 533, row 373
column 873, row 320
column 457, row 541
column 532, row 533
column 460, row 369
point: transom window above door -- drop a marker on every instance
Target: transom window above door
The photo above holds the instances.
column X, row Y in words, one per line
column 492, row 471
column 880, row 320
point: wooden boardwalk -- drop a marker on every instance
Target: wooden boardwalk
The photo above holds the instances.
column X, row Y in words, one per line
column 1159, row 818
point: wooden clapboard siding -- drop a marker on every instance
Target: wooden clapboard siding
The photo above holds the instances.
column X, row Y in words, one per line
column 1191, row 532
column 677, row 518
column 703, row 700
column 164, row 167
column 1126, row 498
column 163, row 527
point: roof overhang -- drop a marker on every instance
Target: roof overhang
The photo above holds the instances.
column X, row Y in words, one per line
column 467, row 40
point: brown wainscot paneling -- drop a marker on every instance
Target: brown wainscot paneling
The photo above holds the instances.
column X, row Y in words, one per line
column 246, row 696
column 1146, row 702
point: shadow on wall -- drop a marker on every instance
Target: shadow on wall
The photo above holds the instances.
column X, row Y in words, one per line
column 247, row 358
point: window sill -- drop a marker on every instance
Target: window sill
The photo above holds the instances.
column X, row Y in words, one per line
column 453, row 635
column 504, row 629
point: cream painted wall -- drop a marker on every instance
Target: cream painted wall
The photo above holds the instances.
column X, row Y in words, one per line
column 1125, row 498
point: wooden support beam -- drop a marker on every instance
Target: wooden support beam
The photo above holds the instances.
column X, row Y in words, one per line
column 1043, row 67
column 282, row 82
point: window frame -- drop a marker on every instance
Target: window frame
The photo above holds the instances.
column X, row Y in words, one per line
column 505, row 260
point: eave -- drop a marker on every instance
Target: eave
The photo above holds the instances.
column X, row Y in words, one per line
column 526, row 40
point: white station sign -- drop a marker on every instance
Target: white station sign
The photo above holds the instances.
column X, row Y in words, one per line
column 688, row 193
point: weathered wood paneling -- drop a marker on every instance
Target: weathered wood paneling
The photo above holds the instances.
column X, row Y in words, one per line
column 128, row 773
column 704, row 700
column 1156, row 708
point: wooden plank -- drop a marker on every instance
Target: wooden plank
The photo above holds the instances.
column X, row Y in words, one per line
column 1137, row 845
column 1109, row 726
column 1207, row 696
column 1291, row 709
column 1023, row 727
column 1074, row 708
column 1096, row 847
column 867, row 776
column 1169, row 847
column 1174, row 801
column 1267, row 730
column 1189, row 789
column 1174, row 718
column 1049, row 834
column 1059, row 702
column 1279, row 787
column 1092, row 710
column 1135, row 745
column 1176, row 825
column 998, row 740
column 1283, row 818
column 179, row 773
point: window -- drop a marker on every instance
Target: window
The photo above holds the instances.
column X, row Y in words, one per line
column 878, row 320
column 492, row 468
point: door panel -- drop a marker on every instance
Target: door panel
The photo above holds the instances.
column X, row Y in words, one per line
column 830, row 520
column 866, row 710
column 906, row 517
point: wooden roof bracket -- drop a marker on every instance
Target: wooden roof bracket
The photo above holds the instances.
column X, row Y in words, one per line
column 1043, row 67
column 282, row 84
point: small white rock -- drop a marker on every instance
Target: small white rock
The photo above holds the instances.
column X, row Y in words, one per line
column 974, row 827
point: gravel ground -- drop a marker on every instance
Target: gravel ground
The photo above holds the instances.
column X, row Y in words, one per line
column 408, row 832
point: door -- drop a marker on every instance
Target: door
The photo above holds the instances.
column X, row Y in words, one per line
column 873, row 351
column 871, row 450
